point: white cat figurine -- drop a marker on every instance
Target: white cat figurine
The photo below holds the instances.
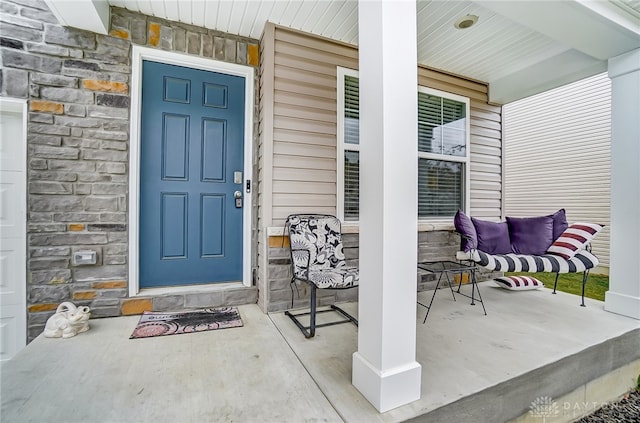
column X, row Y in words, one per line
column 68, row 321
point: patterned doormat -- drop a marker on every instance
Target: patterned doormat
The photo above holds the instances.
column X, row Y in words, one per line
column 154, row 323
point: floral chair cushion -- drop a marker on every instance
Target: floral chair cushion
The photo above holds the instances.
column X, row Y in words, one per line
column 317, row 252
column 344, row 277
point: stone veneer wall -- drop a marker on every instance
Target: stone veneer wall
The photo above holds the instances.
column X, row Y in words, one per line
column 432, row 246
column 77, row 84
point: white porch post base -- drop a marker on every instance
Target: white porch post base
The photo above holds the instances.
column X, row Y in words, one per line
column 623, row 296
column 389, row 389
column 622, row 304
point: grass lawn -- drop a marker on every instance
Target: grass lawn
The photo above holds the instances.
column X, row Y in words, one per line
column 596, row 286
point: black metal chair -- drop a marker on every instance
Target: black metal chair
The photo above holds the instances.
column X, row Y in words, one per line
column 317, row 258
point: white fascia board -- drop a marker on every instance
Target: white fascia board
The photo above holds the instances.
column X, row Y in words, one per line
column 90, row 15
column 624, row 64
column 559, row 70
column 594, row 30
column 625, row 17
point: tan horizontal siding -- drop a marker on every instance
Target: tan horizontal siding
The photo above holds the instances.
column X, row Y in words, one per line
column 286, row 135
column 313, row 114
column 280, row 213
column 479, row 175
column 486, row 157
column 557, row 152
column 452, row 80
column 486, row 141
column 486, row 194
column 484, row 114
column 293, row 162
column 294, row 86
column 302, row 200
column 299, row 99
column 481, row 105
column 290, row 61
column 298, row 149
column 303, row 125
column 316, row 43
column 310, row 54
column 305, row 122
column 309, row 175
column 285, row 187
column 480, row 167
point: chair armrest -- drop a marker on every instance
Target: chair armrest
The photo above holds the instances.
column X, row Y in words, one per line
column 306, row 268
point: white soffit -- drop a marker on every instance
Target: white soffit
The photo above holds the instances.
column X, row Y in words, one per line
column 518, row 47
column 592, row 27
column 592, row 31
column 91, row 15
column 493, row 48
column 556, row 71
column 335, row 19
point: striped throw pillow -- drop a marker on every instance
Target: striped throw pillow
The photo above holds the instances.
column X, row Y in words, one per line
column 575, row 238
column 519, row 283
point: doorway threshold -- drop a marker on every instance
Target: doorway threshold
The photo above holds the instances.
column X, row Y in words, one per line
column 189, row 289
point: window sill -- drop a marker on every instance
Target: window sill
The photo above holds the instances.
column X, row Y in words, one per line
column 354, row 228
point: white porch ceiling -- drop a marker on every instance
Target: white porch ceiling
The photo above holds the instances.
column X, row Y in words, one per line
column 519, row 47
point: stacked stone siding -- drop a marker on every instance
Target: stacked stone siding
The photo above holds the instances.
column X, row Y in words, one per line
column 432, row 246
column 77, row 84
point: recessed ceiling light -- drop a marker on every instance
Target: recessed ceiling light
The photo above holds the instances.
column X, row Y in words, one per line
column 466, row 21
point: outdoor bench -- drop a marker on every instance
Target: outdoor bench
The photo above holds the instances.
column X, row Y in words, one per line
column 538, row 244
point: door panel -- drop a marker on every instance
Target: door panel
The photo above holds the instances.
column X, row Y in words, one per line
column 192, row 142
column 175, row 146
column 13, row 218
column 213, row 141
column 212, row 225
column 174, row 226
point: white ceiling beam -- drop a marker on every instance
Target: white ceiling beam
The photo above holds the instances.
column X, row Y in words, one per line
column 596, row 30
column 559, row 70
column 90, row 15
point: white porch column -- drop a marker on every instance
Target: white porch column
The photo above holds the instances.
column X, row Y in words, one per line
column 385, row 370
column 623, row 296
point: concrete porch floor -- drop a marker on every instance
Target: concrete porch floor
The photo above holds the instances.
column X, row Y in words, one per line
column 474, row 368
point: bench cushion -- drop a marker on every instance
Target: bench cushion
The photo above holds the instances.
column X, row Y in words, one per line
column 493, row 237
column 582, row 261
column 530, row 235
column 575, row 238
column 559, row 223
column 518, row 283
column 465, row 227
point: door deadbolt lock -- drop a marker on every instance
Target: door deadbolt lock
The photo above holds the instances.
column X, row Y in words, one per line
column 238, row 196
column 237, row 177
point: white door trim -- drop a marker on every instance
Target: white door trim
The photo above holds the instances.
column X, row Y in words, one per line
column 13, row 304
column 144, row 53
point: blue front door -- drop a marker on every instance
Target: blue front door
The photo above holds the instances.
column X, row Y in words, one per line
column 192, row 150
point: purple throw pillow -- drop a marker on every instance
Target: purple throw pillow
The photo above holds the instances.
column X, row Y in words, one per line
column 464, row 226
column 560, row 223
column 530, row 235
column 493, row 237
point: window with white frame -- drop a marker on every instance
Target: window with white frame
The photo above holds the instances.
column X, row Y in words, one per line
column 348, row 145
column 443, row 151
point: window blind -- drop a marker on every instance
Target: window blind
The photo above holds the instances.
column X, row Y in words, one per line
column 440, row 188
column 351, row 110
column 351, row 185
